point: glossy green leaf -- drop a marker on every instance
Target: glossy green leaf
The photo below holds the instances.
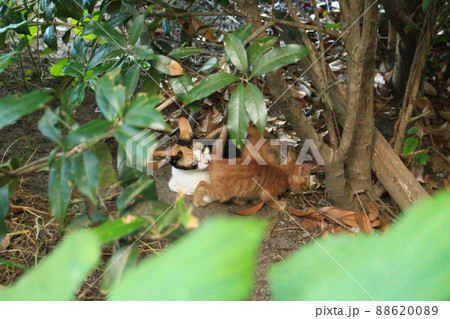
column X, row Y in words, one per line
column 210, row 84
column 166, row 65
column 74, row 69
column 410, row 145
column 14, row 107
column 137, row 144
column 140, row 188
column 151, row 82
column 279, row 57
column 88, row 133
column 236, row 52
column 59, row 188
column 185, row 52
column 243, row 32
column 226, row 274
column 61, row 274
column 256, row 106
column 181, row 86
column 106, row 32
column 6, row 59
column 258, row 47
column 212, row 63
column 4, row 208
column 410, row 262
column 121, row 261
column 115, row 229
column 104, row 52
column 47, row 126
column 238, row 116
column 142, row 113
column 50, row 37
column 110, row 97
column 57, row 68
column 333, row 26
column 78, row 50
column 74, row 96
column 86, row 173
column 131, row 79
column 136, row 29
column 144, row 52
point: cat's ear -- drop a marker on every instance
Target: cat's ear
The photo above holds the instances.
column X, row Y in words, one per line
column 305, row 169
column 185, row 129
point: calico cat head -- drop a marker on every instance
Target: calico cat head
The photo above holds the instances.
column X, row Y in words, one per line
column 187, row 154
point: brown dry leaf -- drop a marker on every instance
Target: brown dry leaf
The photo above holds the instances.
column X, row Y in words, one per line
column 417, row 171
column 250, row 211
column 430, row 183
column 339, row 230
column 364, row 222
column 175, row 68
column 371, row 208
column 338, row 215
column 375, row 223
column 447, row 184
column 301, row 213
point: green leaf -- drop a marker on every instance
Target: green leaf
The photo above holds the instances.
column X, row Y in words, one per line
column 333, row 26
column 383, row 267
column 136, row 29
column 14, row 107
column 59, row 188
column 279, row 57
column 47, row 126
column 110, row 97
column 108, row 174
column 144, row 187
column 144, row 52
column 57, row 68
column 4, row 208
column 122, row 260
column 131, row 79
column 181, row 86
column 74, row 69
column 410, row 145
column 115, row 229
column 237, row 116
column 167, row 66
column 185, row 52
column 421, row 158
column 425, row 4
column 74, row 96
column 142, row 113
column 256, row 106
column 258, row 47
column 61, row 274
column 106, row 32
column 88, row 133
column 236, row 52
column 413, row 130
column 151, row 82
column 50, row 37
column 6, row 59
column 197, row 277
column 105, row 51
column 86, row 173
column 212, row 63
column 210, row 84
column 243, row 32
column 14, row 26
column 78, row 50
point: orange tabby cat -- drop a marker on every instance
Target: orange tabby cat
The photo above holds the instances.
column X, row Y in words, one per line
column 252, row 182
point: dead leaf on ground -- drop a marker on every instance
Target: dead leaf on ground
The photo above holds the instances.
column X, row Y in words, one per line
column 250, row 211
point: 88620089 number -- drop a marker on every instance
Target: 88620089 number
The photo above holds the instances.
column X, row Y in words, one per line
column 407, row 310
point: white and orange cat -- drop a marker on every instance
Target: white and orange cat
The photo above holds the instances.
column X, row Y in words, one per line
column 241, row 183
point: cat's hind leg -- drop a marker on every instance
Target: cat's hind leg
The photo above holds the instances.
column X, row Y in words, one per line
column 200, row 191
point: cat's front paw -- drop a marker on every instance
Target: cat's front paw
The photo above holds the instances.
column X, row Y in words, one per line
column 198, row 201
